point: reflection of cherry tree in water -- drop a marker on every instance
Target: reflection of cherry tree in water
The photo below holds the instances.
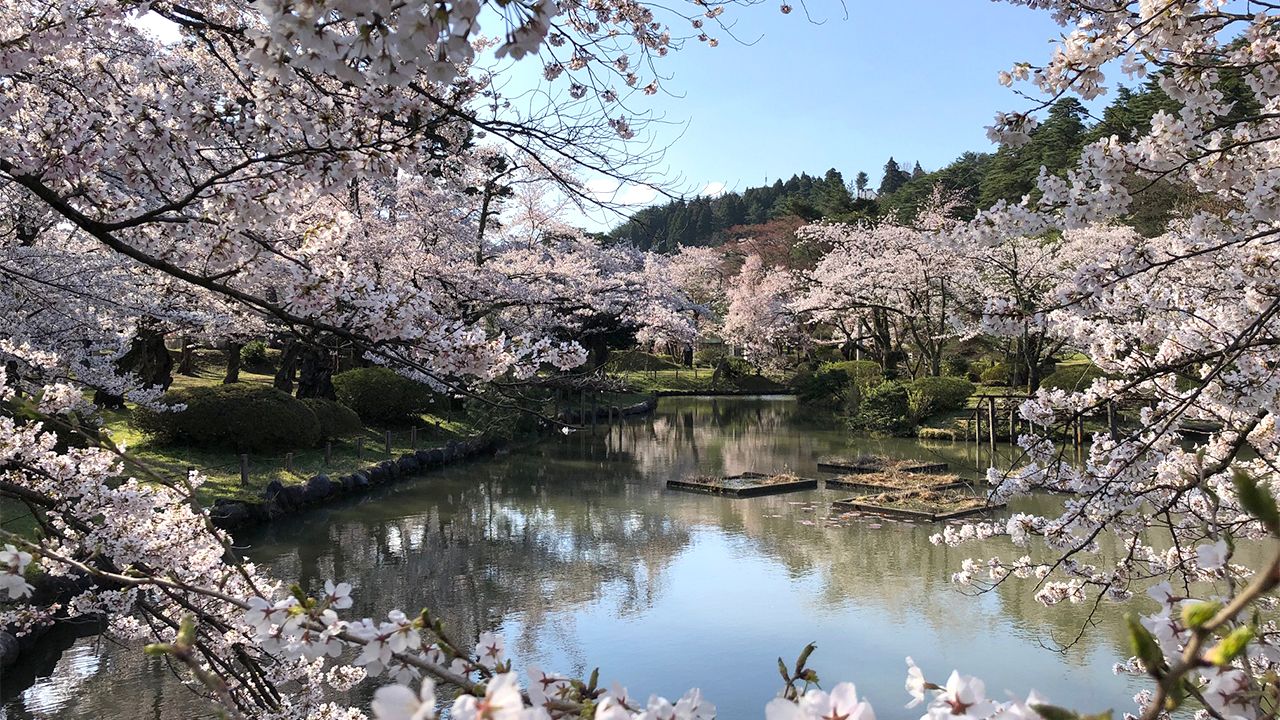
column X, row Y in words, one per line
column 520, row 543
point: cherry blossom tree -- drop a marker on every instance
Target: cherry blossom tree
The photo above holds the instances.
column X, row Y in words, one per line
column 891, row 285
column 759, row 318
column 300, row 163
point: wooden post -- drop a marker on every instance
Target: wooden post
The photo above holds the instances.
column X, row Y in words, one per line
column 977, row 423
column 1080, row 430
column 244, row 469
column 1012, row 420
column 991, row 426
column 413, row 437
column 359, row 448
column 328, row 452
column 288, row 462
column 387, row 442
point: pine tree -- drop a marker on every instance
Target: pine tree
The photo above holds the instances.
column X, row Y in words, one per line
column 894, row 178
column 860, row 182
column 832, row 196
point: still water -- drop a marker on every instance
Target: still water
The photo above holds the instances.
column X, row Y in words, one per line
column 576, row 552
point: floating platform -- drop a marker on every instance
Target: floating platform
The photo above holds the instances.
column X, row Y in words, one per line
column 927, row 505
column 877, row 464
column 894, row 481
column 748, row 484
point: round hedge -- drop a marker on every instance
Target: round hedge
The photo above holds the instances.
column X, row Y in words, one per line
column 336, row 420
column 863, row 373
column 997, row 374
column 1073, row 378
column 247, row 417
column 885, row 408
column 942, row 393
column 379, row 395
column 837, row 383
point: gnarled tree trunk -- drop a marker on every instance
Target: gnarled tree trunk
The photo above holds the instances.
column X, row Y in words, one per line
column 147, row 359
column 233, row 363
column 315, row 373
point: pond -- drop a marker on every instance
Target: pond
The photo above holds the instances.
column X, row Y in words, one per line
column 574, row 549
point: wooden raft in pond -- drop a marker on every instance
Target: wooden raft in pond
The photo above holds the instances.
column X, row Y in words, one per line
column 920, row 504
column 895, row 480
column 748, row 484
column 866, row 464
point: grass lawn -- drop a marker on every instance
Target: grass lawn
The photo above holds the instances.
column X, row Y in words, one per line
column 222, row 466
column 692, row 380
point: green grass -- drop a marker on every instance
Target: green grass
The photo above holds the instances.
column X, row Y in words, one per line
column 690, row 380
column 222, row 467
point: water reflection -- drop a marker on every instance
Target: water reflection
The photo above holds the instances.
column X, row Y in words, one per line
column 576, row 551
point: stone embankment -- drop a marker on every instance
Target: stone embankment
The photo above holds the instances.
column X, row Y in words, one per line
column 279, row 499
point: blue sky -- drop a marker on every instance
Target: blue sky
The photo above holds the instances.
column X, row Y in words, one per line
column 916, row 80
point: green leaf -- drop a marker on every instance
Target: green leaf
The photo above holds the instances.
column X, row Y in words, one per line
column 1196, row 614
column 1144, row 645
column 186, row 632
column 1230, row 647
column 1177, row 695
column 1257, row 501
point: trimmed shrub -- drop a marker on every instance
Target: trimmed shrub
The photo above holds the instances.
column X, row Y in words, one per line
column 942, row 393
column 336, row 420
column 977, row 367
column 379, row 395
column 708, row 357
column 254, row 354
column 246, row 417
column 837, row 384
column 639, row 360
column 957, row 365
column 821, row 387
column 1073, row 378
column 884, row 409
column 732, row 368
column 827, row 354
column 996, row 374
column 863, row 373
column 933, row 433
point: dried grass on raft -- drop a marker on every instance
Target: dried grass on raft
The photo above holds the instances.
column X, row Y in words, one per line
column 779, row 479
column 899, row 480
column 877, row 462
column 925, row 499
column 864, row 460
column 751, row 478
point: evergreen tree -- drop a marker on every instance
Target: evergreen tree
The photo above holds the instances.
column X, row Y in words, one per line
column 832, row 195
column 894, row 178
column 917, row 171
column 860, row 182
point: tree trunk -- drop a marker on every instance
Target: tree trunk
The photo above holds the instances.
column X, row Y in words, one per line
column 233, row 363
column 288, row 367
column 315, row 373
column 186, row 361
column 147, row 359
